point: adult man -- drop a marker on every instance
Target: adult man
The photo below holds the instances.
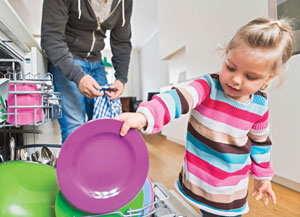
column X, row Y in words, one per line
column 73, row 33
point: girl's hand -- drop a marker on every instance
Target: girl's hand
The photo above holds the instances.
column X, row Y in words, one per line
column 131, row 120
column 263, row 187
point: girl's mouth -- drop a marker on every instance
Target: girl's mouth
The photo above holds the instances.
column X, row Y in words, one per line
column 232, row 88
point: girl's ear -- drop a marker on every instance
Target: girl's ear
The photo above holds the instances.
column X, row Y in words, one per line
column 270, row 78
column 265, row 86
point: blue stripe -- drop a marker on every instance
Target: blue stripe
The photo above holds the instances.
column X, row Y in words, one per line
column 215, row 160
column 260, row 100
column 260, row 158
column 257, row 106
column 239, row 210
column 176, row 98
column 252, row 107
column 169, row 102
column 260, row 149
column 228, row 157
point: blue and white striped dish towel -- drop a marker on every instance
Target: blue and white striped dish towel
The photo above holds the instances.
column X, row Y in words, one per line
column 106, row 108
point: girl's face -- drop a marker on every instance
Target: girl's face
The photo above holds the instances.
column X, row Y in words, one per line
column 243, row 73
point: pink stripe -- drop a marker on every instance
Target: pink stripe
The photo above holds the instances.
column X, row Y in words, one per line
column 221, row 174
column 262, row 165
column 265, row 116
column 211, row 179
column 262, row 169
column 157, row 111
column 224, row 118
column 263, row 122
column 261, row 125
column 203, row 89
column 231, row 110
column 167, row 116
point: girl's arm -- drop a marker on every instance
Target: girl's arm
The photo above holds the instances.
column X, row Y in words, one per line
column 260, row 169
column 151, row 116
column 261, row 149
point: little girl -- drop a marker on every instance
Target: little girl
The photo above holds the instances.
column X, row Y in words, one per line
column 229, row 125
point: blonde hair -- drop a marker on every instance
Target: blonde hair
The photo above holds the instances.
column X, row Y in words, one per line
column 273, row 37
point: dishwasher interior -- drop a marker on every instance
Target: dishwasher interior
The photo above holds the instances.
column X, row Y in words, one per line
column 167, row 203
column 27, row 101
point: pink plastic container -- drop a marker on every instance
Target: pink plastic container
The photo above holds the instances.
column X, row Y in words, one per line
column 25, row 116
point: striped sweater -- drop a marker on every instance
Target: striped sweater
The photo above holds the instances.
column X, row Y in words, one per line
column 225, row 140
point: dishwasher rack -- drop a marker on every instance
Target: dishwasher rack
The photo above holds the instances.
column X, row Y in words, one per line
column 160, row 195
column 49, row 106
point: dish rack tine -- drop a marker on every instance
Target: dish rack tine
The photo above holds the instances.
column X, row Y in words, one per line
column 140, row 211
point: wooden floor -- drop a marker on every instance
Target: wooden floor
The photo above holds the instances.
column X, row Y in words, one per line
column 165, row 163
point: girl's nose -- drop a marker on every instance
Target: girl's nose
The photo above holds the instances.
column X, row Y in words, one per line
column 236, row 80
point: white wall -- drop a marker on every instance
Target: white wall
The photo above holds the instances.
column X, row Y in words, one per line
column 200, row 27
column 132, row 87
column 153, row 71
column 285, row 119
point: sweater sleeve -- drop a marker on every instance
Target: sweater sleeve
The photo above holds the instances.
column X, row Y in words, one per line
column 165, row 107
column 54, row 20
column 261, row 149
column 121, row 46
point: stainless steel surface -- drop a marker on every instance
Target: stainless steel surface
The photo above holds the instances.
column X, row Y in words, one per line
column 166, row 204
column 174, row 205
column 12, row 146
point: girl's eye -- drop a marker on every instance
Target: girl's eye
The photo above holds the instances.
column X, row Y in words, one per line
column 251, row 78
column 230, row 68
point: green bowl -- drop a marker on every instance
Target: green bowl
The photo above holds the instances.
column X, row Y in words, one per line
column 64, row 209
column 27, row 189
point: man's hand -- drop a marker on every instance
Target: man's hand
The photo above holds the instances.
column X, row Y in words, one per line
column 89, row 87
column 119, row 86
column 263, row 188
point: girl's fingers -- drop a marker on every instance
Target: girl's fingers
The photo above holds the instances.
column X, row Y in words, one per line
column 118, row 118
column 258, row 196
column 273, row 197
column 253, row 192
column 125, row 128
column 266, row 202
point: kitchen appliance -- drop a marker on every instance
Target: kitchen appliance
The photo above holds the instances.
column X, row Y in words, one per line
column 23, row 63
column 166, row 204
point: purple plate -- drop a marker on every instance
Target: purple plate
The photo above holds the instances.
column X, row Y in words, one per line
column 99, row 171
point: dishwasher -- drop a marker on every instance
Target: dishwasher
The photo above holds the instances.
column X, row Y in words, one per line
column 167, row 203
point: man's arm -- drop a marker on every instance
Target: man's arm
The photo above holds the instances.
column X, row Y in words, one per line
column 54, row 20
column 121, row 46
